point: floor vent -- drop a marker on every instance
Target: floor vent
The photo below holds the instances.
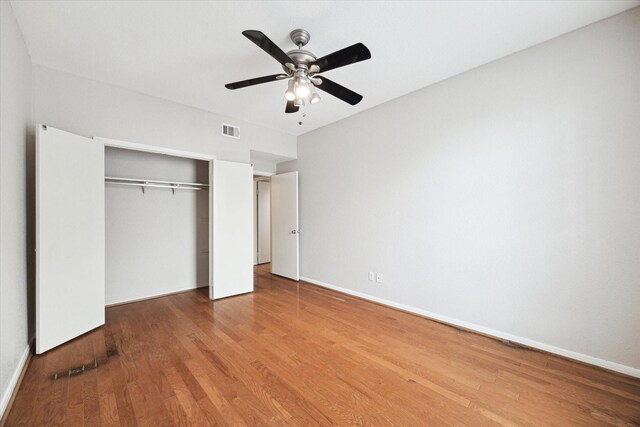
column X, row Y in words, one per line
column 511, row 344
column 230, row 131
column 94, row 364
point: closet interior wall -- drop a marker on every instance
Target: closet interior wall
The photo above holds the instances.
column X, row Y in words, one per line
column 157, row 242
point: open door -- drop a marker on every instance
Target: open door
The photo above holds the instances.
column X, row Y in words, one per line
column 232, row 229
column 263, row 190
column 70, row 266
column 284, row 225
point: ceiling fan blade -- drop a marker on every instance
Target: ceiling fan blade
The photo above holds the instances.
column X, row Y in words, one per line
column 341, row 92
column 268, row 46
column 349, row 55
column 291, row 108
column 255, row 81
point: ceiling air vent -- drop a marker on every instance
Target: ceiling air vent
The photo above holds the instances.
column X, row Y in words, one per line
column 230, row 131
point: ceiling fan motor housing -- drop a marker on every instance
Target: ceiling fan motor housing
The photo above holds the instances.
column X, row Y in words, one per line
column 300, row 56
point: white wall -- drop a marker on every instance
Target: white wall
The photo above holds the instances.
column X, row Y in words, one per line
column 505, row 198
column 264, row 167
column 15, row 134
column 91, row 108
column 156, row 242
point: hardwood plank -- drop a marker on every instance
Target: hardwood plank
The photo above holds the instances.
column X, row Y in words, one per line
column 296, row 354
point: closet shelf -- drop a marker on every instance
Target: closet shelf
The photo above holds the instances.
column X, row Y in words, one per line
column 144, row 183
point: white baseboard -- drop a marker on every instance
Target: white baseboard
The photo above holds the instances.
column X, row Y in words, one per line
column 6, row 395
column 613, row 366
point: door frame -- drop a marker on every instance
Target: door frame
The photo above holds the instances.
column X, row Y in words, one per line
column 256, row 224
column 108, row 142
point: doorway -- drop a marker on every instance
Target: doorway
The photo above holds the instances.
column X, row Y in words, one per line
column 262, row 219
column 276, row 229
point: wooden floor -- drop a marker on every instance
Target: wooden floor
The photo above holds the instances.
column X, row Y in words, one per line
column 292, row 354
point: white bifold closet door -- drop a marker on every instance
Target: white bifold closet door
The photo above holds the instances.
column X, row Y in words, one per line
column 232, row 229
column 70, row 254
column 285, row 231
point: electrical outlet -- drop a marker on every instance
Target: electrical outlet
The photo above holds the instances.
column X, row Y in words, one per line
column 372, row 276
column 379, row 277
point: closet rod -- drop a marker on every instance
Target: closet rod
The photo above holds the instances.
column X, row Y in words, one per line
column 173, row 187
column 156, row 184
column 152, row 181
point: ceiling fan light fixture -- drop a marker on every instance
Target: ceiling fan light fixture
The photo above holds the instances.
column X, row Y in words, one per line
column 299, row 102
column 314, row 98
column 290, row 94
column 302, row 89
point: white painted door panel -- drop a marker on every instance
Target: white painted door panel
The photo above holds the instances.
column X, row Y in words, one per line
column 69, row 236
column 284, row 225
column 264, row 222
column 232, row 229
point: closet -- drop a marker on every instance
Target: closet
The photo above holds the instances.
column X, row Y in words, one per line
column 119, row 221
column 156, row 224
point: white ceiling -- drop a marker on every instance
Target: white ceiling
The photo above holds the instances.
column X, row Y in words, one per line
column 186, row 51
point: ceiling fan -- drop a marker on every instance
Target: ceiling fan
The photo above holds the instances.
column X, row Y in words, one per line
column 302, row 67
